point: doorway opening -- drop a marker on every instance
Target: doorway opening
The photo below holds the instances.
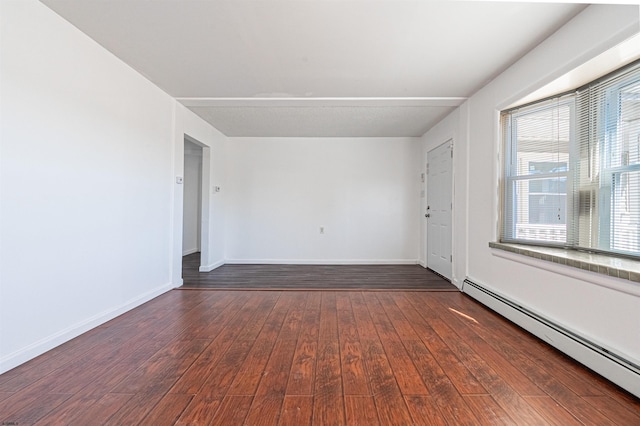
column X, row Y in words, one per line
column 192, row 202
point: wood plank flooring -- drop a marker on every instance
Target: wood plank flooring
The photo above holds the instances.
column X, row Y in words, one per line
column 312, row 277
column 309, row 358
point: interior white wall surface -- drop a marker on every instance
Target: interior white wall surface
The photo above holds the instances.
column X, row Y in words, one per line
column 85, row 183
column 604, row 315
column 192, row 194
column 365, row 192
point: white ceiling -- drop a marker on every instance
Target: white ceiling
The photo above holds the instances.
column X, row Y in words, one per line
column 317, row 67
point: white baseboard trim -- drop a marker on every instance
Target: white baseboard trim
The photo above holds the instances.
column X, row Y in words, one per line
column 616, row 367
column 322, row 261
column 190, row 251
column 422, row 263
column 209, row 268
column 35, row 349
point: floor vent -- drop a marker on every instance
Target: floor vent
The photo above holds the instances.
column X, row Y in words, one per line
column 609, row 364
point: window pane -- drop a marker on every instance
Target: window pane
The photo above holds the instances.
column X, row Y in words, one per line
column 536, row 201
column 542, row 140
column 625, row 215
column 541, row 215
column 626, row 146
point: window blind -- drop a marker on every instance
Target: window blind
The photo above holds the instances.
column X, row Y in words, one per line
column 607, row 166
column 537, row 165
column 572, row 168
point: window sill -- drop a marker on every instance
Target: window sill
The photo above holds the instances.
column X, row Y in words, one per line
column 626, row 269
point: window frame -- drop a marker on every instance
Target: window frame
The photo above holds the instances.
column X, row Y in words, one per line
column 599, row 170
column 609, row 174
column 510, row 176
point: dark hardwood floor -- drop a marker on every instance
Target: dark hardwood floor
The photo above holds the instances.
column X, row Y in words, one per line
column 309, row 357
column 312, row 277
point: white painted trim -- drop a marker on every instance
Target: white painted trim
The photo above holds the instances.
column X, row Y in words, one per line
column 599, row 363
column 189, row 251
column 293, row 102
column 209, row 268
column 422, row 263
column 322, row 261
column 617, row 284
column 45, row 344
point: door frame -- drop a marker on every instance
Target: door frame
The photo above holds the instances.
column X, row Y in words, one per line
column 190, row 153
column 204, row 199
column 425, row 241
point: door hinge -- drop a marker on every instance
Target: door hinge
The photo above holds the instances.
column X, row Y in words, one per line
column 451, row 258
column 451, row 152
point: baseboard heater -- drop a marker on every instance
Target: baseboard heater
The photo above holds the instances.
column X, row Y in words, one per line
column 621, row 371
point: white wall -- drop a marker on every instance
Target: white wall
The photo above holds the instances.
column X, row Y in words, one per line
column 192, row 198
column 604, row 315
column 87, row 183
column 364, row 191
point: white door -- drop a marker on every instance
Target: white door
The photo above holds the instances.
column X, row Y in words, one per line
column 439, row 207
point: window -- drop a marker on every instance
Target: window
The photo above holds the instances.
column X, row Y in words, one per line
column 572, row 168
column 537, row 170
